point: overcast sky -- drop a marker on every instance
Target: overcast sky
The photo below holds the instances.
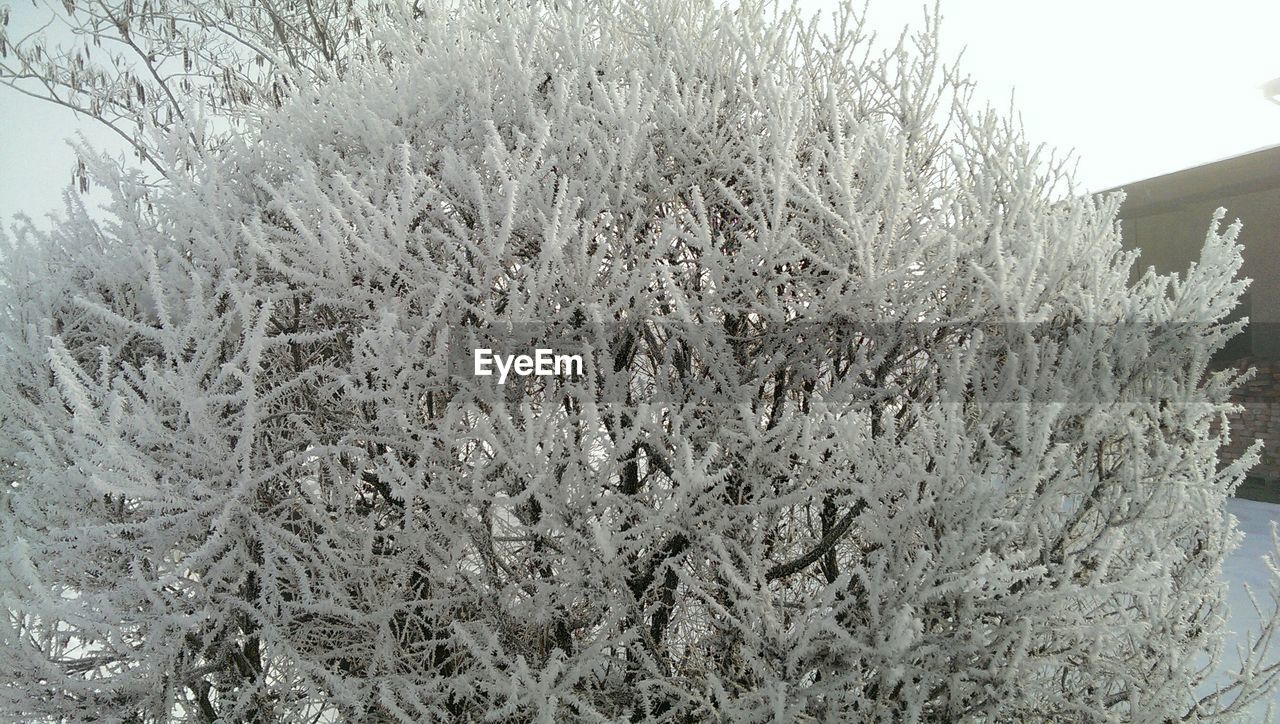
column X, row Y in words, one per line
column 1137, row 88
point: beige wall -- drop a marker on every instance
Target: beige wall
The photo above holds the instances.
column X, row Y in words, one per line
column 1167, row 217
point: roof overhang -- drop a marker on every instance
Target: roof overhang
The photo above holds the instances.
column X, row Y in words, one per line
column 1243, row 174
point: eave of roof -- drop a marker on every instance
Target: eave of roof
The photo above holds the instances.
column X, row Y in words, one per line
column 1242, row 174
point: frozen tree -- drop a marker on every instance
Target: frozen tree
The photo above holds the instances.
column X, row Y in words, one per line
column 196, row 67
column 877, row 421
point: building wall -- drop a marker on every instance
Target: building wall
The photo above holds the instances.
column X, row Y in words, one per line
column 1167, row 218
column 1259, row 419
column 1171, row 239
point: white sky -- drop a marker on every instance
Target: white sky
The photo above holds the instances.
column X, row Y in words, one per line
column 1137, row 87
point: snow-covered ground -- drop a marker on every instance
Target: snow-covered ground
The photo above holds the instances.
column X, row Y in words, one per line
column 1246, row 566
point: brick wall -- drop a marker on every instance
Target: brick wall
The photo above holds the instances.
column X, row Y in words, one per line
column 1260, row 418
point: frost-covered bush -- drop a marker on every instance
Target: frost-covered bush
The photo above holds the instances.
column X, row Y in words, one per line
column 874, row 425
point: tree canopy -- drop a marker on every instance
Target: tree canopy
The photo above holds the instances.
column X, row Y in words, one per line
column 877, row 421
